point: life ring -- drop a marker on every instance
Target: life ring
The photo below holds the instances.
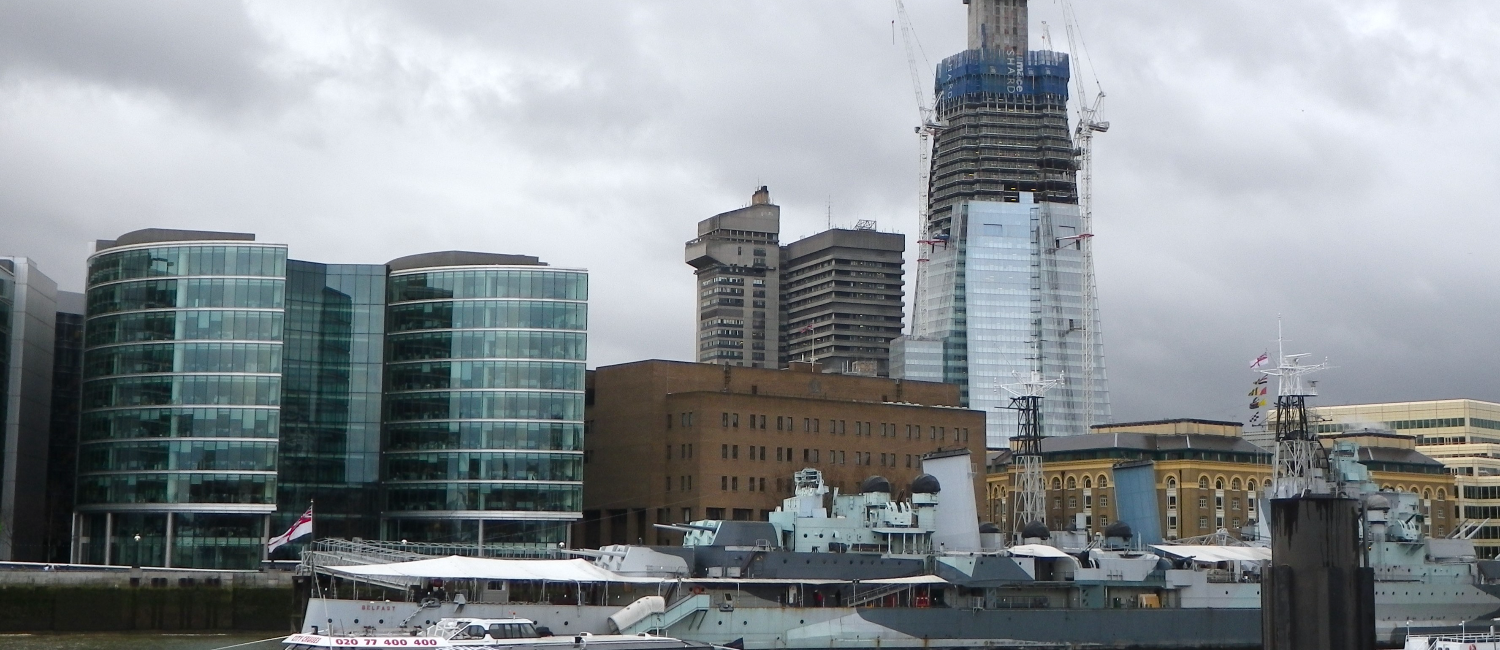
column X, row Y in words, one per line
column 699, row 590
column 1472, row 647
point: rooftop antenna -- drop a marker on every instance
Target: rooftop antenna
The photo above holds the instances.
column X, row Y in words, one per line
column 1300, row 462
column 1026, row 448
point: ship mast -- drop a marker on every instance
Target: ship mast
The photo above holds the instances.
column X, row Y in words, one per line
column 1300, row 462
column 1030, row 493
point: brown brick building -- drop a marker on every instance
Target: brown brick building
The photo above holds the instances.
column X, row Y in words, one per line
column 670, row 442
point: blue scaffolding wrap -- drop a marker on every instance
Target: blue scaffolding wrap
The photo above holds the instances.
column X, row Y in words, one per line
column 990, row 72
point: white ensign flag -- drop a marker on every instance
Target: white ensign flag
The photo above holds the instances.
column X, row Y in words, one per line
column 301, row 527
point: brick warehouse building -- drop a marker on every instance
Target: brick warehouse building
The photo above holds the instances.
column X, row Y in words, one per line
column 672, row 442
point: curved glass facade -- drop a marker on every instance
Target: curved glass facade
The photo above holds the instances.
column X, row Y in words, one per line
column 484, row 374
column 182, row 392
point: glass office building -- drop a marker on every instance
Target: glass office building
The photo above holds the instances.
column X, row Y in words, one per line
column 434, row 399
column 483, row 399
column 329, row 454
column 181, row 399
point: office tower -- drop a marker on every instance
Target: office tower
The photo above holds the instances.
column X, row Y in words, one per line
column 182, row 387
column 1000, row 278
column 484, row 399
column 736, row 256
column 28, row 310
column 226, row 387
column 834, row 298
column 331, row 373
column 62, row 437
column 843, row 299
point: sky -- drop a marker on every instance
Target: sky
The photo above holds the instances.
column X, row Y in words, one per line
column 1331, row 163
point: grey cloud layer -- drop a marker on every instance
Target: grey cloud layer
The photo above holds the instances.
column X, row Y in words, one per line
column 1329, row 161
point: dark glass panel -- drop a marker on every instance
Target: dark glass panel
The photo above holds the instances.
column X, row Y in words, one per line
column 484, row 405
column 488, row 313
column 161, row 390
column 417, row 436
column 486, row 374
column 167, row 261
column 187, row 293
column 488, row 345
column 484, row 466
column 179, row 422
column 556, row 285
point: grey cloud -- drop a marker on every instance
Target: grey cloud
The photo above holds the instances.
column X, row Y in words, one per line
column 200, row 51
column 1291, row 157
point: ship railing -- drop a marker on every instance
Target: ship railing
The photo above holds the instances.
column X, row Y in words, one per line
column 876, row 593
column 1016, row 602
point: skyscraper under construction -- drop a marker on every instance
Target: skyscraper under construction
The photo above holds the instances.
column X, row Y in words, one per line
column 1001, row 281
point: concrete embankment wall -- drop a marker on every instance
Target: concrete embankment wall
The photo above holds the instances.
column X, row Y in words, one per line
column 122, row 600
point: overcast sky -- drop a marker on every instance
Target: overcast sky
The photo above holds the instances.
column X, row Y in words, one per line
column 1333, row 162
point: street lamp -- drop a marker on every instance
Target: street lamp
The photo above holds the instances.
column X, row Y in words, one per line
column 137, row 553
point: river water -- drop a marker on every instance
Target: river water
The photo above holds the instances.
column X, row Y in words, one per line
column 137, row 641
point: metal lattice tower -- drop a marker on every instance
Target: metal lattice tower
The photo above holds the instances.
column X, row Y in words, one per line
column 1030, row 488
column 1300, row 464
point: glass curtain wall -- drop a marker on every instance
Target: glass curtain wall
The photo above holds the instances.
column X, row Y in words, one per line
column 180, row 406
column 484, row 404
column 330, row 400
column 7, row 310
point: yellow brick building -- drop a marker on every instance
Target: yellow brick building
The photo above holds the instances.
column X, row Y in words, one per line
column 1205, row 476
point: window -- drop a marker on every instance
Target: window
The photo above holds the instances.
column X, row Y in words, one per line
column 1218, row 502
column 1172, row 522
column 1088, row 501
column 762, row 484
column 734, row 484
column 669, row 484
column 1103, row 481
column 669, row 420
column 734, row 420
column 1235, row 484
column 1203, row 482
column 715, row 513
column 1104, row 501
column 762, row 422
column 724, row 451
column 1056, row 483
column 669, row 452
column 1234, row 504
column 1203, row 523
column 1202, row 502
column 1072, row 483
column 1171, row 501
column 1236, row 523
column 724, row 421
column 1073, row 503
column 687, row 515
column 1219, row 483
column 1088, row 482
column 806, row 425
column 734, row 452
column 908, row 461
column 749, row 483
column 1057, row 503
column 1171, row 483
column 723, row 483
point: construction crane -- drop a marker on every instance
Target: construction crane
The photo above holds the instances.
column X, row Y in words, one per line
column 1090, row 121
column 926, row 132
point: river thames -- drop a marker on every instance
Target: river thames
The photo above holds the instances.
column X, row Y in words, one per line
column 137, row 641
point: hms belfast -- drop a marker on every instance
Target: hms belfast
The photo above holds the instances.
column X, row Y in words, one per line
column 1003, row 287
